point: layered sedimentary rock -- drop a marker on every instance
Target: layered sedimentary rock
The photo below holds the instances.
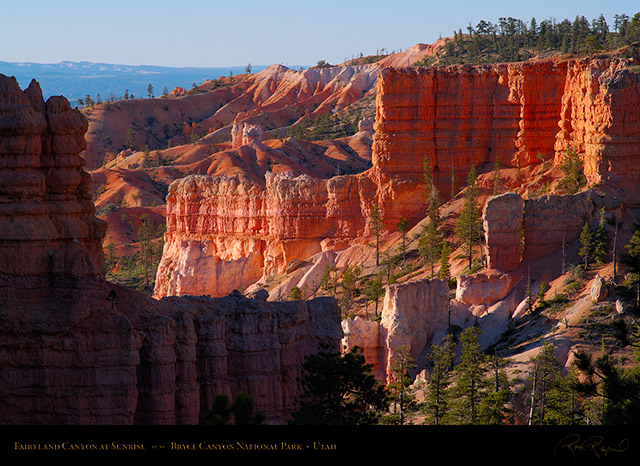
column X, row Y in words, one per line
column 75, row 349
column 228, row 346
column 412, row 315
column 484, row 288
column 551, row 220
column 76, row 360
column 225, row 233
column 458, row 116
column 366, row 335
column 517, row 229
column 502, row 225
column 600, row 119
column 49, row 237
column 418, row 314
column 245, row 134
column 276, row 98
column 463, row 116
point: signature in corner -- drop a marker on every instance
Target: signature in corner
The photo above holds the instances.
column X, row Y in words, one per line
column 596, row 445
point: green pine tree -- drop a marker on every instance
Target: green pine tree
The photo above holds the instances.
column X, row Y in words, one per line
column 468, row 227
column 401, row 397
column 493, row 406
column 445, row 272
column 437, row 397
column 496, row 176
column 601, row 241
column 586, row 244
column 350, row 277
column 375, row 290
column 563, row 401
column 144, row 238
column 242, row 411
column 430, row 245
column 546, row 371
column 403, row 228
column 470, row 384
column 295, row 294
column 573, row 169
column 111, row 259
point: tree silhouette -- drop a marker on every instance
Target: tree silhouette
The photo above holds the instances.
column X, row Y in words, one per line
column 401, row 381
column 241, row 411
column 601, row 240
column 470, row 381
column 339, row 390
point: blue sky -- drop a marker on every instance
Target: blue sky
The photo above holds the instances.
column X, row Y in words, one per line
column 236, row 32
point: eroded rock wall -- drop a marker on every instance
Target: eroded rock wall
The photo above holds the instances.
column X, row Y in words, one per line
column 49, row 237
column 418, row 314
column 502, row 225
column 412, row 316
column 517, row 229
column 228, row 346
column 600, row 119
column 225, row 233
column 517, row 114
column 463, row 116
column 76, row 360
column 75, row 349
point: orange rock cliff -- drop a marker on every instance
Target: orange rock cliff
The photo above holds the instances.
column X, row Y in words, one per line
column 224, row 234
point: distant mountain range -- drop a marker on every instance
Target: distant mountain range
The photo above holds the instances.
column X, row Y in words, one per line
column 76, row 80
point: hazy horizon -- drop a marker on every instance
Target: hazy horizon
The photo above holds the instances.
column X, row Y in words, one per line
column 76, row 80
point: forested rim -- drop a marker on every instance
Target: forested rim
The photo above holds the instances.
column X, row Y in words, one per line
column 513, row 39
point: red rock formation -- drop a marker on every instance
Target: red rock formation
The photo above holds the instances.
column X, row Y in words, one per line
column 275, row 98
column 225, row 233
column 77, row 350
column 413, row 315
column 551, row 220
column 418, row 314
column 366, row 335
column 460, row 116
column 72, row 359
column 48, row 234
column 600, row 119
column 412, row 55
column 484, row 288
column 517, row 229
column 474, row 115
column 245, row 134
column 204, row 347
column 502, row 224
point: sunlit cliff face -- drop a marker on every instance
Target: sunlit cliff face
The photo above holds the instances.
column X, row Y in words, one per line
column 515, row 115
